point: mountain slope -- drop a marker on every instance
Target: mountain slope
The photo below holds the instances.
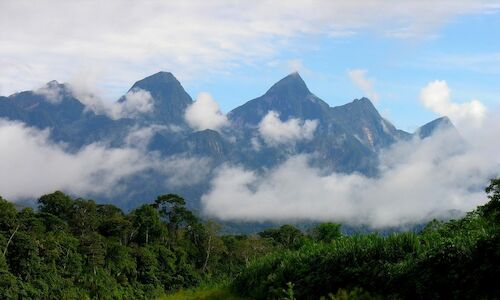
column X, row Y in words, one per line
column 361, row 119
column 170, row 100
column 347, row 138
column 432, row 127
column 58, row 110
column 290, row 97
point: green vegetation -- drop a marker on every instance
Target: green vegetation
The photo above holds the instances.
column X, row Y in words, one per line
column 459, row 259
column 209, row 291
column 77, row 249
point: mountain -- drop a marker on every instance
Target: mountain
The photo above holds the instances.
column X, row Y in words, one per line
column 289, row 96
column 170, row 100
column 430, row 128
column 55, row 107
column 347, row 138
column 361, row 119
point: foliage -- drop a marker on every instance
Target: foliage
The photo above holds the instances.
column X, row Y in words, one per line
column 205, row 291
column 78, row 249
column 459, row 259
column 326, row 232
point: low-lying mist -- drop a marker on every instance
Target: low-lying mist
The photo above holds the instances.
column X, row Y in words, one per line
column 418, row 180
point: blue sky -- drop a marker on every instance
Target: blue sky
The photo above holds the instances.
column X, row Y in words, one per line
column 236, row 51
column 464, row 52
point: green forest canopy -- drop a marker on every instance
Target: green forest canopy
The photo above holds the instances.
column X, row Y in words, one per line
column 77, row 249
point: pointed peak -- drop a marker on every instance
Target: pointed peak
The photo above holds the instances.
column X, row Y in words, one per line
column 439, row 123
column 291, row 83
column 363, row 101
column 156, row 79
column 170, row 100
column 443, row 120
column 52, row 83
column 293, row 77
column 163, row 86
column 363, row 104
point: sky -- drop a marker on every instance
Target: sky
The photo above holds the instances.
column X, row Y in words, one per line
column 385, row 50
column 416, row 61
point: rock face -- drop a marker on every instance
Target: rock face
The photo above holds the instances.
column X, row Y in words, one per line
column 432, row 127
column 345, row 139
column 289, row 96
column 170, row 99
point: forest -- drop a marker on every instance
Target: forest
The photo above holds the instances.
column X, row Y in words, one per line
column 77, row 249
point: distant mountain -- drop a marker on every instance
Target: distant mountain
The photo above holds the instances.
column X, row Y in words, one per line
column 170, row 99
column 347, row 138
column 361, row 119
column 54, row 106
column 289, row 96
column 430, row 128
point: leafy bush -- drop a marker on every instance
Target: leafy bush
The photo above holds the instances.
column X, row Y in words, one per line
column 459, row 259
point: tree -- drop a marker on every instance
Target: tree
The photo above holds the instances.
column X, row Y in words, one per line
column 93, row 249
column 491, row 210
column 287, row 236
column 57, row 203
column 214, row 246
column 8, row 215
column 147, row 226
column 113, row 223
column 174, row 213
column 83, row 216
column 326, row 232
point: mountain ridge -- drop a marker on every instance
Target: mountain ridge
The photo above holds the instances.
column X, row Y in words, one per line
column 347, row 137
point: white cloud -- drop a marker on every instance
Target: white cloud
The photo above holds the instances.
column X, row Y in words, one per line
column 275, row 132
column 365, row 84
column 84, row 87
column 135, row 103
column 296, row 65
column 419, row 180
column 51, row 91
column 205, row 113
column 436, row 96
column 32, row 165
column 51, row 38
column 139, row 137
column 185, row 171
column 256, row 145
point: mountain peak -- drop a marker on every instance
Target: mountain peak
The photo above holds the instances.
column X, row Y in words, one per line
column 170, row 98
column 291, row 84
column 290, row 97
column 358, row 106
column 52, row 83
column 430, row 128
column 363, row 102
column 156, row 81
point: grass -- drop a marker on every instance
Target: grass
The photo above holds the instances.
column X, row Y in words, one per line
column 203, row 293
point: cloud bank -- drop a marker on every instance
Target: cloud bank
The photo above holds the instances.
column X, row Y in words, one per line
column 136, row 102
column 358, row 77
column 419, row 180
column 276, row 132
column 436, row 96
column 205, row 113
column 51, row 91
column 33, row 165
